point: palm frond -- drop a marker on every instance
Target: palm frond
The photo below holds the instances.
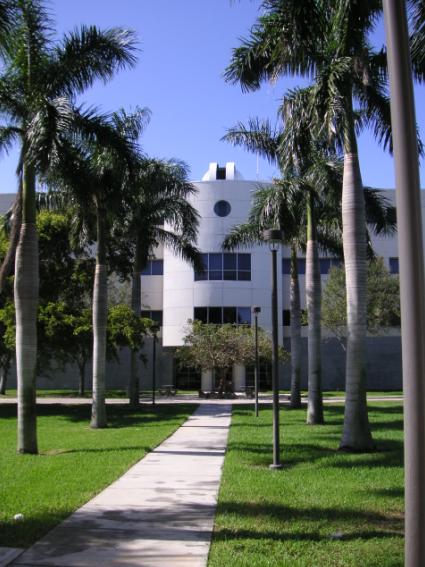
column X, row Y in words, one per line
column 284, row 40
column 380, row 212
column 257, row 137
column 181, row 247
column 89, row 54
column 417, row 38
column 243, row 236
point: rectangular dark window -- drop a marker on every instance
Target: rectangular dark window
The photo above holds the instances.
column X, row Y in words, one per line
column 215, row 262
column 244, row 262
column 286, row 316
column 157, row 267
column 244, row 316
column 203, row 275
column 155, row 315
column 201, row 314
column 301, row 266
column 228, row 267
column 229, row 315
column 325, row 265
column 154, row 268
column 286, row 266
column 221, row 173
column 394, row 268
column 229, row 261
column 215, row 315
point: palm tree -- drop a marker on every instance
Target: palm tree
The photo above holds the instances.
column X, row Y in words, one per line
column 329, row 41
column 279, row 206
column 39, row 79
column 298, row 158
column 158, row 213
column 93, row 176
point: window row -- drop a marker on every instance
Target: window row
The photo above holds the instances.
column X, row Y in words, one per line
column 229, row 266
column 223, row 315
column 154, row 268
column 226, row 266
column 325, row 265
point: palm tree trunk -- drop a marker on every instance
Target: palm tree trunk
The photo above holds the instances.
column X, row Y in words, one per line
column 356, row 433
column 295, row 333
column 4, row 371
column 100, row 316
column 82, row 378
column 313, row 296
column 26, row 302
column 136, row 305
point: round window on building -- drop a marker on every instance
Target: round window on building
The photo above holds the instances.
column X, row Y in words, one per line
column 222, row 208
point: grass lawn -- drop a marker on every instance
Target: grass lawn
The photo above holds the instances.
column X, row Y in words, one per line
column 74, row 464
column 324, row 508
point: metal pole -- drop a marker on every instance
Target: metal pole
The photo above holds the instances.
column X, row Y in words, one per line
column 412, row 287
column 256, row 363
column 154, row 369
column 275, row 366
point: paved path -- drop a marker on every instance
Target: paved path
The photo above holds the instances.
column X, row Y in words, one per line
column 188, row 399
column 159, row 514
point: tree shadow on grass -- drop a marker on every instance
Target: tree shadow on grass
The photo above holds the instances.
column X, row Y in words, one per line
column 58, row 452
column 227, row 534
column 118, row 416
column 380, row 524
column 388, row 454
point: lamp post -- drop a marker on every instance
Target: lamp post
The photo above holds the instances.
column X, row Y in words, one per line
column 256, row 311
column 155, row 329
column 274, row 239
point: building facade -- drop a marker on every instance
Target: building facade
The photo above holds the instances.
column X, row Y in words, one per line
column 234, row 282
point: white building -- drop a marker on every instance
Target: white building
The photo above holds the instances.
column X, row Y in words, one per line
column 233, row 282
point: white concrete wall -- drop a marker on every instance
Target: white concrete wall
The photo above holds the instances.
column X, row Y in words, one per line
column 182, row 293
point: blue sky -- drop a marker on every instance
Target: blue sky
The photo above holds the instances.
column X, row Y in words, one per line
column 185, row 46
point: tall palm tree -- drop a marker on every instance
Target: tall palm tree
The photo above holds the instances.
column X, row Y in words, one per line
column 158, row 213
column 297, row 156
column 93, row 176
column 279, row 206
column 38, row 81
column 329, row 41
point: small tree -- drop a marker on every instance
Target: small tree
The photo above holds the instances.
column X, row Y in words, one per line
column 125, row 329
column 383, row 301
column 219, row 347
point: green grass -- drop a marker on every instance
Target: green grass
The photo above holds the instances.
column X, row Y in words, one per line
column 324, row 508
column 74, row 464
column 370, row 393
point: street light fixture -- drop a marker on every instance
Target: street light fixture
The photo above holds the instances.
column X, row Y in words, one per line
column 274, row 239
column 155, row 331
column 256, row 311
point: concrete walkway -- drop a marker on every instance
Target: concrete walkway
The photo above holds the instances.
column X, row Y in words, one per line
column 158, row 514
